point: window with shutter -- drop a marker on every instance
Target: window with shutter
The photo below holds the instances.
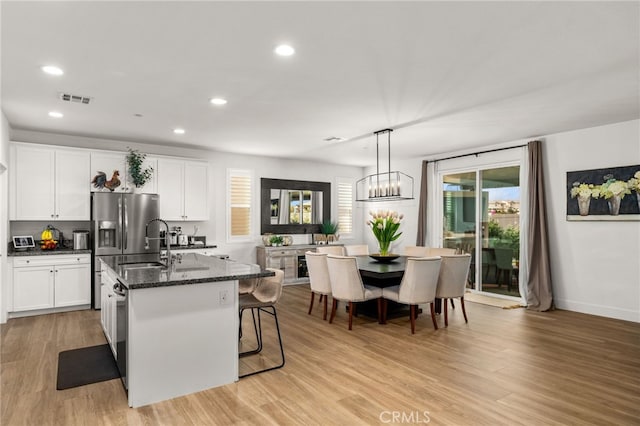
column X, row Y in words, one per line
column 345, row 207
column 239, row 189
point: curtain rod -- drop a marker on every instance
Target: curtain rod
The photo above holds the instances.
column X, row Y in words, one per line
column 478, row 153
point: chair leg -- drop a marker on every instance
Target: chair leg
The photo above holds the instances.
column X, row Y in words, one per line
column 412, row 318
column 453, row 306
column 334, row 305
column 433, row 316
column 321, row 297
column 311, row 304
column 464, row 312
column 446, row 315
column 324, row 310
column 351, row 309
column 275, row 318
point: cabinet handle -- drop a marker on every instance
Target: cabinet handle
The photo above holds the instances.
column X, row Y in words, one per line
column 51, row 270
column 52, row 216
column 28, row 261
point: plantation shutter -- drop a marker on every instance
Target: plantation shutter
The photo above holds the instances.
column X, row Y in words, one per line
column 345, row 207
column 239, row 204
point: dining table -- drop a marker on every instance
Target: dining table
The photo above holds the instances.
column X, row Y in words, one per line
column 386, row 274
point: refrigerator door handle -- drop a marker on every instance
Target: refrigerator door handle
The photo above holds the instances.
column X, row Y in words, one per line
column 119, row 230
column 126, row 224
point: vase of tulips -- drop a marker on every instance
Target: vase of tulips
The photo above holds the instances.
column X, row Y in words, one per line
column 385, row 224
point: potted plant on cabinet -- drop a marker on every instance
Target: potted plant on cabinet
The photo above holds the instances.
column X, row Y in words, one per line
column 330, row 231
column 137, row 174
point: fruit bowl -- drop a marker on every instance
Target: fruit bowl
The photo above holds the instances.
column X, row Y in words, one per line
column 48, row 245
column 384, row 259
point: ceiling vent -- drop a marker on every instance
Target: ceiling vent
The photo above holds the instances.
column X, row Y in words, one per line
column 334, row 139
column 68, row 97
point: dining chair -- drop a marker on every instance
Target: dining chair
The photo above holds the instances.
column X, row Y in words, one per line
column 416, row 251
column 440, row 251
column 346, row 285
column 318, row 279
column 504, row 265
column 335, row 250
column 357, row 250
column 452, row 280
column 263, row 299
column 418, row 286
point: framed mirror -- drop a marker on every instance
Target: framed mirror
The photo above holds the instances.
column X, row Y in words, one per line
column 293, row 206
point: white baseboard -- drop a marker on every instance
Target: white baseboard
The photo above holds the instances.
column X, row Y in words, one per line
column 599, row 310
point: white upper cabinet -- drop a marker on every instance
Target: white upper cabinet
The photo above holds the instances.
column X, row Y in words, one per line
column 183, row 190
column 109, row 162
column 49, row 184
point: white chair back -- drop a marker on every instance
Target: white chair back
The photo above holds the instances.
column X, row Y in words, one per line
column 357, row 250
column 335, row 250
column 416, row 251
column 318, row 272
column 420, row 280
column 269, row 289
column 454, row 271
column 346, row 283
column 439, row 251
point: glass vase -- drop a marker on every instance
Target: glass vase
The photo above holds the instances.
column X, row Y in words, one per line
column 384, row 247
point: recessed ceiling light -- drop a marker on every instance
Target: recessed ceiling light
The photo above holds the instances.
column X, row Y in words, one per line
column 284, row 50
column 56, row 114
column 53, row 70
column 178, row 131
column 218, row 101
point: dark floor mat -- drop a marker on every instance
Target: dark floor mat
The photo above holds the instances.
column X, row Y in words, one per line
column 83, row 366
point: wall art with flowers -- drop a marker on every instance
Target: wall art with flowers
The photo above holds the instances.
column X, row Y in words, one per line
column 604, row 194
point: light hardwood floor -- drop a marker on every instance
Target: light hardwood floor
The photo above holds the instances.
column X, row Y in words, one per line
column 505, row 367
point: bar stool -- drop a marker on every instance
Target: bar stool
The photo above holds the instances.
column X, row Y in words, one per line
column 263, row 299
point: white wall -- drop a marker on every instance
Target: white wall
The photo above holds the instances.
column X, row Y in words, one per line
column 595, row 265
column 4, row 207
column 215, row 228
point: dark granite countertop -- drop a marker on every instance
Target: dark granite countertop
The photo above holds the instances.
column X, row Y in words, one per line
column 187, row 268
column 37, row 251
column 190, row 247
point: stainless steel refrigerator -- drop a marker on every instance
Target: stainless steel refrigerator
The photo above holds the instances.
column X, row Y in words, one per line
column 118, row 228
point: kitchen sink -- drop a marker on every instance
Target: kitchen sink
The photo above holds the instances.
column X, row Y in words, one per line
column 142, row 265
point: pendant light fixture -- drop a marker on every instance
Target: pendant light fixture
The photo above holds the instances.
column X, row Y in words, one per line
column 385, row 186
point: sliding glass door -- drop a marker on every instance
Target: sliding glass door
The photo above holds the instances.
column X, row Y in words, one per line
column 481, row 216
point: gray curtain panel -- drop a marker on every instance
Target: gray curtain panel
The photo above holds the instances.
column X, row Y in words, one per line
column 539, row 294
column 422, row 208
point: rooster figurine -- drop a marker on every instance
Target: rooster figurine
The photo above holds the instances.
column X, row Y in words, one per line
column 100, row 181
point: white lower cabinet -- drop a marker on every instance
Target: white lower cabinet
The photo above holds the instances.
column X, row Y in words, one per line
column 54, row 281
column 108, row 310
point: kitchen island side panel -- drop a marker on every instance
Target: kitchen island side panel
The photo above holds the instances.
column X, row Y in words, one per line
column 182, row 339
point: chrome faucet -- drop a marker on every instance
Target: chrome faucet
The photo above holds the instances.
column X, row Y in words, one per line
column 167, row 238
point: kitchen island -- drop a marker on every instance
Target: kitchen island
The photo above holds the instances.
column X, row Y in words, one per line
column 174, row 331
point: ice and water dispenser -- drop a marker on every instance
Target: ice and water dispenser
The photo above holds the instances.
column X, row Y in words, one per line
column 107, row 234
